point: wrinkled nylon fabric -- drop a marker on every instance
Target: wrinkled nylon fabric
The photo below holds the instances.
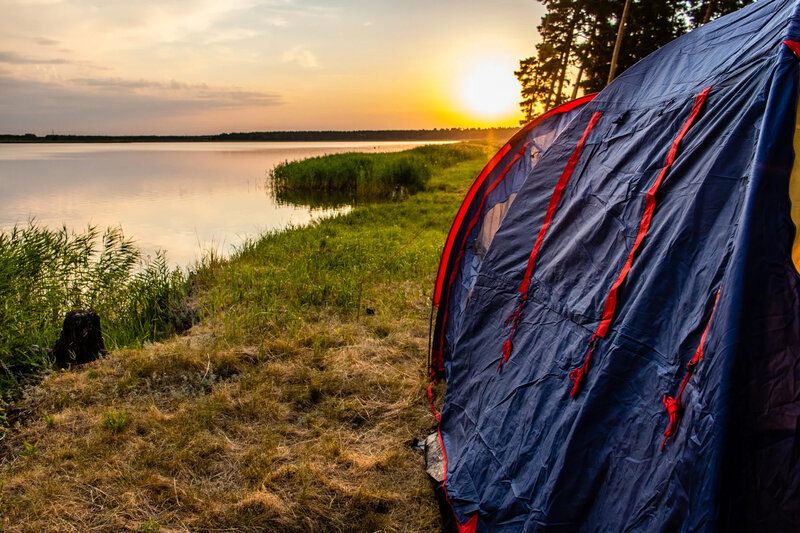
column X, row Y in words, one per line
column 486, row 206
column 521, row 454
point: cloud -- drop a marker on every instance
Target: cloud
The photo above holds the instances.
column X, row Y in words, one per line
column 228, row 35
column 7, row 56
column 45, row 41
column 36, row 2
column 114, row 105
column 299, row 56
column 113, row 83
column 277, row 21
column 197, row 92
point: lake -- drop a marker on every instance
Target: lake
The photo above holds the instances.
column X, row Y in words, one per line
column 184, row 198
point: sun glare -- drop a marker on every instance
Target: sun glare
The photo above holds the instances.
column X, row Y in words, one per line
column 490, row 90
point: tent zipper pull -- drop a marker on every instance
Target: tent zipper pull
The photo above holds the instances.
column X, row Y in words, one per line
column 674, row 405
column 579, row 373
column 514, row 319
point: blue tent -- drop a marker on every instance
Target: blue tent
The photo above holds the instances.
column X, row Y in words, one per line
column 618, row 313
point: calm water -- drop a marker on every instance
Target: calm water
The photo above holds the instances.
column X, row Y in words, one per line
column 185, row 198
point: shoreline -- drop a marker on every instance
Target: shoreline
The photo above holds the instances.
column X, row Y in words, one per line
column 446, row 134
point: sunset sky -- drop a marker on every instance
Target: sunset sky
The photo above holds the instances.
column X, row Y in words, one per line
column 202, row 66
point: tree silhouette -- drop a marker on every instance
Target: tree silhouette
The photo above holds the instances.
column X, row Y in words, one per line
column 578, row 37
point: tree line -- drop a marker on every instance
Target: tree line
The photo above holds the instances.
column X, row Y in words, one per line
column 438, row 134
column 578, row 39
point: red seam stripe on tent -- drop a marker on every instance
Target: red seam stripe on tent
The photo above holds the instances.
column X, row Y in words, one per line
column 478, row 213
column 650, row 206
column 794, row 46
column 454, row 271
column 495, row 183
column 462, row 211
column 551, row 208
column 610, row 306
column 564, row 108
column 673, row 405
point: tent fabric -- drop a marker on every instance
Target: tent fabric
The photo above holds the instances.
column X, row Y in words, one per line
column 677, row 209
column 484, row 207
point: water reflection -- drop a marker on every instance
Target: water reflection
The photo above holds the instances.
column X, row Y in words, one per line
column 185, row 198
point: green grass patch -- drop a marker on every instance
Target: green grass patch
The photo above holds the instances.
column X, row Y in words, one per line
column 353, row 177
column 282, row 279
column 116, row 421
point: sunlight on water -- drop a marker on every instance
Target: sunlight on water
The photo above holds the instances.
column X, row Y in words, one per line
column 185, row 198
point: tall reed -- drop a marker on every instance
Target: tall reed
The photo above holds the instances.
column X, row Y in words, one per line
column 44, row 273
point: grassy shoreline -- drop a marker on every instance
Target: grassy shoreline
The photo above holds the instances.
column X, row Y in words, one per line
column 280, row 410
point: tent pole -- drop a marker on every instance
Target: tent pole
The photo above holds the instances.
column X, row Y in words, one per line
column 618, row 44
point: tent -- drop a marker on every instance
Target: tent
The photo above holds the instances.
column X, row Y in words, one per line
column 618, row 308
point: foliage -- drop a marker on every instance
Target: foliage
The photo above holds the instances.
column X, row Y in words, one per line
column 45, row 273
column 701, row 11
column 368, row 176
column 438, row 134
column 578, row 38
column 150, row 525
column 649, row 25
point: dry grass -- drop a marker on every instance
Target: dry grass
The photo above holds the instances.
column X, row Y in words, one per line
column 292, row 437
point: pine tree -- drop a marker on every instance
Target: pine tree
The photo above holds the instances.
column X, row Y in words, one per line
column 544, row 76
column 578, row 36
column 650, row 25
column 702, row 11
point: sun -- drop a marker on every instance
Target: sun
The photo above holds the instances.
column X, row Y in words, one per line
column 489, row 89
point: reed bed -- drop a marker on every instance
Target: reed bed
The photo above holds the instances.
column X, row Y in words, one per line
column 44, row 273
column 369, row 176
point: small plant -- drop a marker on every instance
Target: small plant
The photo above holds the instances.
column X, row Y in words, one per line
column 49, row 420
column 28, row 449
column 116, row 421
column 150, row 526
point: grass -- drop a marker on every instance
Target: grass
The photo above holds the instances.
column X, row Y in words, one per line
column 44, row 273
column 282, row 410
column 356, row 177
column 116, row 421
